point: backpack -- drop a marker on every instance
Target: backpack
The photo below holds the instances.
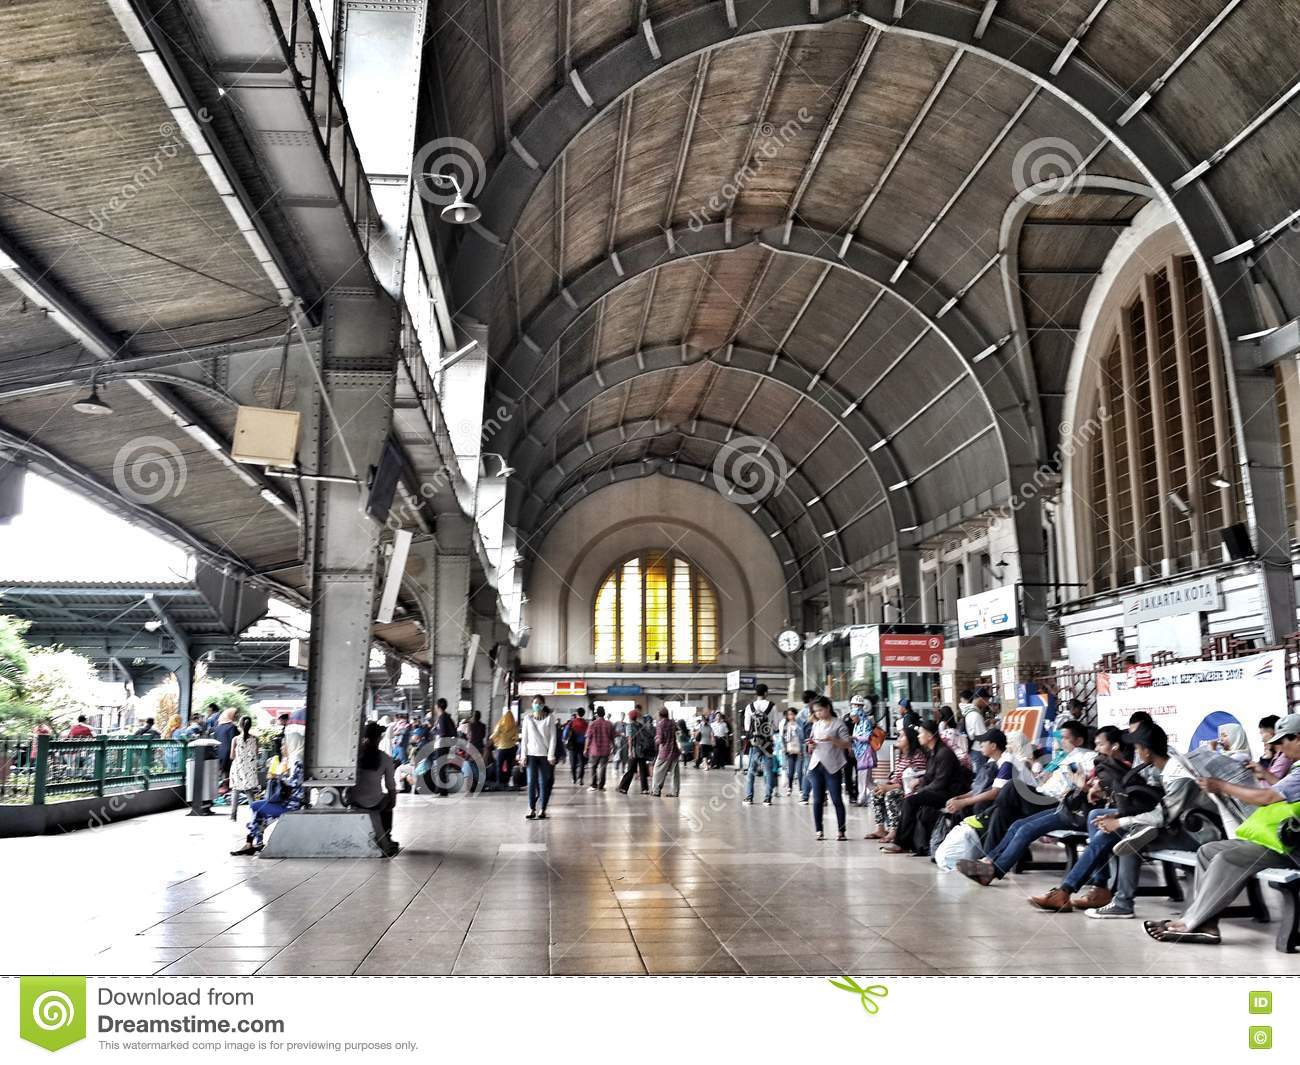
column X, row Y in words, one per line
column 1135, row 795
column 643, row 743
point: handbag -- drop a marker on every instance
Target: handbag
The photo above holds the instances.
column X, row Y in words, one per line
column 1266, row 825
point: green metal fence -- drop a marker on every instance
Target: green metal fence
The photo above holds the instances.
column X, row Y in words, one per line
column 45, row 770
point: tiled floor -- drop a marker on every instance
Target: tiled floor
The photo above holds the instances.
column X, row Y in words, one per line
column 607, row 885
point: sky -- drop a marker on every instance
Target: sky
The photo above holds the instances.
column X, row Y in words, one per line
column 63, row 536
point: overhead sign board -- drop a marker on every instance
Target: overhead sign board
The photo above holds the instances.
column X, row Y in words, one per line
column 570, row 687
column 996, row 610
column 536, row 687
column 1190, row 597
column 738, row 681
column 911, row 652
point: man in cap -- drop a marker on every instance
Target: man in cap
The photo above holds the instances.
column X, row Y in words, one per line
column 1224, row 866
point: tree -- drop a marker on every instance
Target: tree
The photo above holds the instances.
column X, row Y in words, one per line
column 16, row 713
column 62, row 684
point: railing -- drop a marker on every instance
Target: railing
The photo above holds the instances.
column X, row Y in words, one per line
column 321, row 94
column 40, row 770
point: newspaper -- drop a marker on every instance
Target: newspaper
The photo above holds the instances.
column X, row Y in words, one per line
column 1204, row 762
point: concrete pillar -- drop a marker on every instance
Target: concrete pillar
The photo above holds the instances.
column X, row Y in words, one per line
column 838, row 598
column 451, row 583
column 909, row 585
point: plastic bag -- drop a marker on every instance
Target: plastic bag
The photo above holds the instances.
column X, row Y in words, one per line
column 962, row 842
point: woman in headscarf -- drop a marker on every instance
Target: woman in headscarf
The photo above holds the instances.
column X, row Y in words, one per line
column 225, row 735
column 1233, row 742
column 864, row 754
column 505, row 741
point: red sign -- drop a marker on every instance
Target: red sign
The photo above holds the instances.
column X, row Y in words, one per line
column 912, row 651
column 1140, row 675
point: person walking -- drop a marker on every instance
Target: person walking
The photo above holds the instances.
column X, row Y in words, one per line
column 762, row 727
column 376, row 786
column 539, row 745
column 721, row 746
column 703, row 741
column 640, row 751
column 805, row 718
column 827, row 744
column 599, row 744
column 575, row 743
column 792, row 744
column 667, row 755
column 243, row 766
column 505, row 741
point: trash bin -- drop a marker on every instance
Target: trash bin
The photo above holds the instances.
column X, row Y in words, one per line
column 201, row 775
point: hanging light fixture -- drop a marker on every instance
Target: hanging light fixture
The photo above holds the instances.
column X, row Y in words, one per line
column 460, row 212
column 92, row 404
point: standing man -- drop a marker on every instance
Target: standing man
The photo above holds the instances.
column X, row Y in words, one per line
column 721, row 751
column 80, row 731
column 599, row 744
column 805, row 721
column 539, row 745
column 640, row 751
column 762, row 727
column 973, row 723
column 667, row 755
column 444, row 731
column 575, row 743
column 703, row 741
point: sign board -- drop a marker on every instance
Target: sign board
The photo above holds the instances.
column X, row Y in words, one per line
column 997, row 610
column 529, row 688
column 1191, row 700
column 911, row 652
column 738, row 681
column 863, row 640
column 1190, row 597
column 570, row 687
column 623, row 689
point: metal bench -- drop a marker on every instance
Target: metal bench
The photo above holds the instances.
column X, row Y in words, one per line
column 1068, row 838
column 1285, row 881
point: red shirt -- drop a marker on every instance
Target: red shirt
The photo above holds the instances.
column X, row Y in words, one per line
column 600, row 738
column 80, row 731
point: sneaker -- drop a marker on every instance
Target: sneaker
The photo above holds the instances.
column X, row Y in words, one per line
column 767, row 801
column 593, row 788
column 1093, row 899
column 1137, row 840
column 821, row 835
column 1055, row 901
column 748, row 802
column 841, row 838
column 803, row 802
column 530, row 815
column 247, row 848
column 542, row 816
column 1110, row 912
column 981, row 872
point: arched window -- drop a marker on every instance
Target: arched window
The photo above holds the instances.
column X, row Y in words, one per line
column 1160, row 473
column 655, row 610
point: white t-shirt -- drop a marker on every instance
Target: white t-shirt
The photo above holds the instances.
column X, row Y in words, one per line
column 826, row 753
column 719, row 729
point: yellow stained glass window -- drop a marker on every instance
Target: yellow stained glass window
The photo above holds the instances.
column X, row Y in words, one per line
column 655, row 610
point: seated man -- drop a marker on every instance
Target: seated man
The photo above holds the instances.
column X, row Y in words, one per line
column 998, row 769
column 1070, row 812
column 1035, row 795
column 1224, row 866
column 1140, row 792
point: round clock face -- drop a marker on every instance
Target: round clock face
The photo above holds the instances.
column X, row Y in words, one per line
column 789, row 642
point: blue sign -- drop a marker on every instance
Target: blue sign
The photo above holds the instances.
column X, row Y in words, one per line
column 623, row 689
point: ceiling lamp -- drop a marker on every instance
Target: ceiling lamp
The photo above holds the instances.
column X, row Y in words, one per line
column 460, row 211
column 92, row 404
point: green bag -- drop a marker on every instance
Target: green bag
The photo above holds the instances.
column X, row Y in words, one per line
column 1265, row 824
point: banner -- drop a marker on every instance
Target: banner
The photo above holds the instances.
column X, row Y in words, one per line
column 911, row 652
column 1192, row 700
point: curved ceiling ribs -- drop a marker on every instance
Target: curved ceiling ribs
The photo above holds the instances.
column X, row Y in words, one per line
column 1052, row 70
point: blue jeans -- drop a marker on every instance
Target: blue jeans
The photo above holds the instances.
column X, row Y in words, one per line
column 540, row 776
column 821, row 782
column 793, row 769
column 768, row 763
column 1016, row 843
column 1093, row 864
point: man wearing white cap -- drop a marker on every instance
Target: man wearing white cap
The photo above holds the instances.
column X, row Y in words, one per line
column 1224, row 867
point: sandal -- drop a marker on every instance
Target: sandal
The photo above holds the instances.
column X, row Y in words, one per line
column 1161, row 933
column 894, row 848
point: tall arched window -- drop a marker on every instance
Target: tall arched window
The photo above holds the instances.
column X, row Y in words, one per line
column 1161, row 466
column 655, row 609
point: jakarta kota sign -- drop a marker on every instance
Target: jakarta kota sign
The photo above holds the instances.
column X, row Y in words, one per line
column 1190, row 597
column 52, row 1010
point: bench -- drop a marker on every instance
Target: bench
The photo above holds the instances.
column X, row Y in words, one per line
column 1285, row 881
column 1068, row 838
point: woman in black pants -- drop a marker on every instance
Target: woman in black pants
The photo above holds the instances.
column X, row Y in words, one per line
column 826, row 758
column 921, row 809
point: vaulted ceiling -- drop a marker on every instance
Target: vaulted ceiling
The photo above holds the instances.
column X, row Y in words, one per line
column 826, row 224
